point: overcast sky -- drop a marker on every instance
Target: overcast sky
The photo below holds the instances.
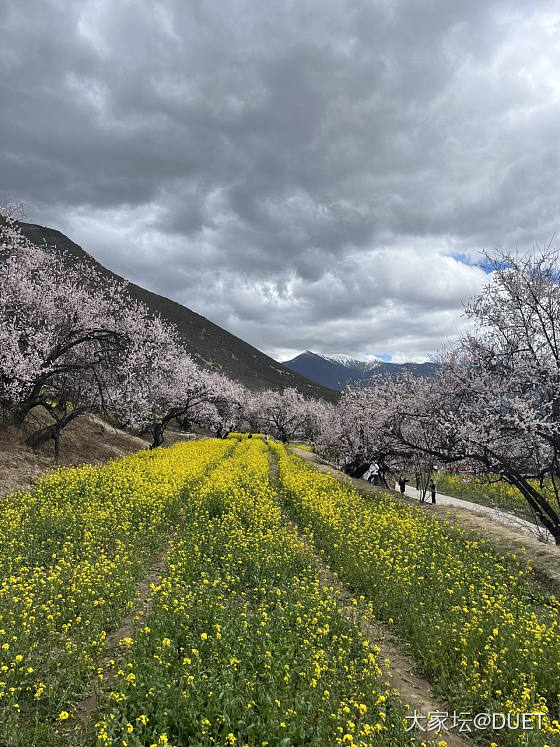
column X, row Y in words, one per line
column 306, row 174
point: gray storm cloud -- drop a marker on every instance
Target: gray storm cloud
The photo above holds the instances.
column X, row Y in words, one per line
column 306, row 174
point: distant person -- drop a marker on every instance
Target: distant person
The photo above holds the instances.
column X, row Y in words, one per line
column 374, row 473
column 219, row 432
column 402, row 483
column 250, row 435
column 417, row 476
column 433, row 491
column 266, row 439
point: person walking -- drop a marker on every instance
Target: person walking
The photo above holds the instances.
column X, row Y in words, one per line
column 402, row 483
column 433, row 491
column 374, row 473
column 417, row 476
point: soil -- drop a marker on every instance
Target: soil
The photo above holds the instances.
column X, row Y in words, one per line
column 144, row 600
column 87, row 440
column 543, row 558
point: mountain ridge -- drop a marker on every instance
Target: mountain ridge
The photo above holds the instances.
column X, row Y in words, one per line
column 209, row 344
column 336, row 371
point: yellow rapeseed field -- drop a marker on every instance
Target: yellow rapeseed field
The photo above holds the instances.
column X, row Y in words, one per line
column 483, row 633
column 243, row 645
column 71, row 552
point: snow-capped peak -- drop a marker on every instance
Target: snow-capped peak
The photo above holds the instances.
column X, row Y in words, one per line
column 341, row 358
column 349, row 361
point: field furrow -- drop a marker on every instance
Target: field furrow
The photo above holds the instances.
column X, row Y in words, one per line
column 477, row 624
column 243, row 644
column 72, row 554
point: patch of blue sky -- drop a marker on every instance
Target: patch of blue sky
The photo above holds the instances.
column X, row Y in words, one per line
column 469, row 261
column 384, row 356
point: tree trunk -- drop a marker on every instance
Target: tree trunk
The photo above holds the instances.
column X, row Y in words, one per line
column 158, row 429
column 22, row 409
column 541, row 507
column 52, row 432
column 157, row 433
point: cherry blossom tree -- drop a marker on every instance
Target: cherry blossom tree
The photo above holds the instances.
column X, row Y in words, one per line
column 360, row 431
column 495, row 401
column 504, row 378
column 72, row 341
column 170, row 385
column 282, row 414
column 232, row 407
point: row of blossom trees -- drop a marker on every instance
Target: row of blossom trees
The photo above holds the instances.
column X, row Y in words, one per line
column 73, row 341
column 494, row 402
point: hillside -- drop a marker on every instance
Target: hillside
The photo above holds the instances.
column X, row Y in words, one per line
column 88, row 440
column 210, row 345
column 337, row 371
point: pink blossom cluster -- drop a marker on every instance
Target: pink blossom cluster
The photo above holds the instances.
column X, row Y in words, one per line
column 73, row 341
column 494, row 402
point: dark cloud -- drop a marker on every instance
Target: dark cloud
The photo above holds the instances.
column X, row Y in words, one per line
column 302, row 173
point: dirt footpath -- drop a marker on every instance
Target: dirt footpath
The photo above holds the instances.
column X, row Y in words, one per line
column 543, row 558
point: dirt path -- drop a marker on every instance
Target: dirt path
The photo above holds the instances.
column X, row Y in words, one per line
column 501, row 517
column 543, row 558
column 413, row 690
column 77, row 729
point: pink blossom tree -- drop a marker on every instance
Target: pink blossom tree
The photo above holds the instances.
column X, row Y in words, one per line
column 495, row 401
column 166, row 384
column 232, row 407
column 70, row 340
column 285, row 414
column 360, row 430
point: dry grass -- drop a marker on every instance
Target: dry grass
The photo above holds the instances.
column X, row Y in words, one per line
column 87, row 440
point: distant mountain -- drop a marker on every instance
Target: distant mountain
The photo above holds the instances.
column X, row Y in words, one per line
column 338, row 370
column 211, row 346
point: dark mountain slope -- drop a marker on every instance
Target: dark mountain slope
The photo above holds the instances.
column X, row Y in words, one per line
column 338, row 371
column 210, row 345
